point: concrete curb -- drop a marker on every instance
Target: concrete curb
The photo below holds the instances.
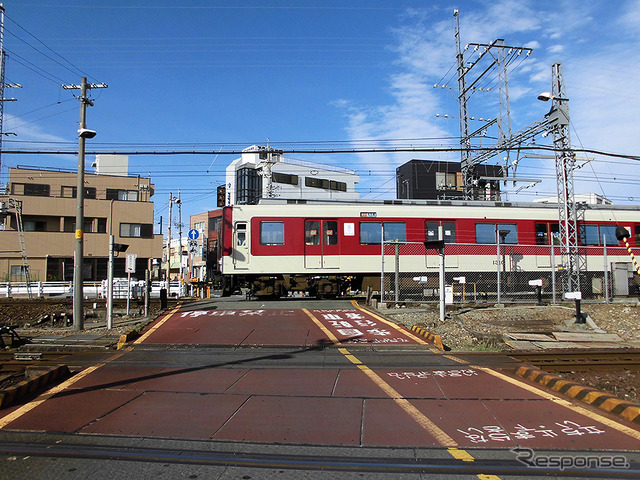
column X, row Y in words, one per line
column 126, row 338
column 604, row 401
column 45, row 377
column 430, row 337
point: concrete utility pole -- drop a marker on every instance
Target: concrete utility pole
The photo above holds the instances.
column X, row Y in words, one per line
column 179, row 202
column 169, row 246
column 78, row 261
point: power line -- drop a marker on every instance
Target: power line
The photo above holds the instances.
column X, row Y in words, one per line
column 77, row 71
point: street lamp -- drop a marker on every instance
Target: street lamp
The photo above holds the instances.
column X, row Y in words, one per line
column 546, row 96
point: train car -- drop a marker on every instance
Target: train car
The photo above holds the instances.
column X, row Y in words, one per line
column 326, row 249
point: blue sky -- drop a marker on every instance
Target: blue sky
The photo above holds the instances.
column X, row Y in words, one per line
column 213, row 75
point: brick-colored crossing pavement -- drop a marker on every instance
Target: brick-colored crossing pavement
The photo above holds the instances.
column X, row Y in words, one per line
column 325, row 396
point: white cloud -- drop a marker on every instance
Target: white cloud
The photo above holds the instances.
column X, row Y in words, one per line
column 598, row 76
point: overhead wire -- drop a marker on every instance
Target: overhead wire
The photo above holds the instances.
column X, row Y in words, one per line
column 78, row 71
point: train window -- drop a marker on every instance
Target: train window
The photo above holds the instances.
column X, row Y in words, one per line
column 637, row 233
column 311, row 232
column 272, row 233
column 542, row 238
column 241, row 234
column 598, row 234
column 554, row 228
column 448, row 228
column 608, row 235
column 395, row 231
column 330, row 232
column 370, row 232
column 589, row 235
column 486, row 232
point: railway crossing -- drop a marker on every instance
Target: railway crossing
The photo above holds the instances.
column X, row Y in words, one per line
column 321, row 374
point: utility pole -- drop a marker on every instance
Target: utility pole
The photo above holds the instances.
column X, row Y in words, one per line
column 180, row 233
column 83, row 134
column 3, row 85
column 169, row 246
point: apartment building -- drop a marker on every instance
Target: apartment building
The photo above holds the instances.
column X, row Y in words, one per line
column 114, row 203
column 266, row 173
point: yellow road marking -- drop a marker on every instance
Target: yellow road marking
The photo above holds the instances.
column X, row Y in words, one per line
column 321, row 326
column 156, row 326
column 391, row 324
column 4, row 421
column 563, row 402
column 442, row 438
column 482, row 476
column 460, row 454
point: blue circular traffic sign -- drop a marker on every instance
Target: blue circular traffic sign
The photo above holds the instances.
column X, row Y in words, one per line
column 193, row 234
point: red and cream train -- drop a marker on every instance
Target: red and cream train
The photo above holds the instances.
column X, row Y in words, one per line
column 326, row 248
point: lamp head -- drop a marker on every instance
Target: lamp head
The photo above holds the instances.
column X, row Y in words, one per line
column 545, row 96
column 86, row 133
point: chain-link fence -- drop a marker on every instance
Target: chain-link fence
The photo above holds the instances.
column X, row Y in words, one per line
column 505, row 273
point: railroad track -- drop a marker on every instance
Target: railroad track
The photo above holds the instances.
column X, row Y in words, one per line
column 14, row 361
column 581, row 361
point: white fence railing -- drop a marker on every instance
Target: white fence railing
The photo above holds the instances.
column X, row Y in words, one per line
column 90, row 289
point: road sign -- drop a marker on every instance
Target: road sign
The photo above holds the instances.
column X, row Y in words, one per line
column 193, row 234
column 192, row 248
column 130, row 263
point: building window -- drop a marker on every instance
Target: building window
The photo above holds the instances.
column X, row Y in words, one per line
column 102, row 225
column 35, row 226
column 139, row 230
column 18, row 270
column 272, row 233
column 71, row 192
column 199, row 226
column 214, row 224
column 445, row 181
column 248, row 186
column 314, row 182
column 284, row 178
column 125, row 195
column 37, row 189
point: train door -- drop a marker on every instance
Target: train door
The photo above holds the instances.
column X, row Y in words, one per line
column 321, row 248
column 240, row 246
